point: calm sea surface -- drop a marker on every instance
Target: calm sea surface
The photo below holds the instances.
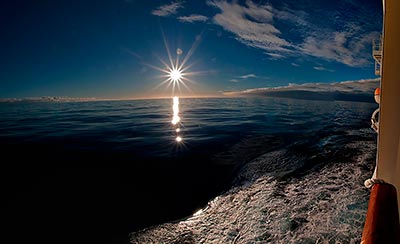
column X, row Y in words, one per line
column 95, row 171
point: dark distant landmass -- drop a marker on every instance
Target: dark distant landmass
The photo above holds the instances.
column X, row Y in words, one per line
column 49, row 99
column 357, row 91
column 324, row 96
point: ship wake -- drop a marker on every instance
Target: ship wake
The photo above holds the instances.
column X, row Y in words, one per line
column 283, row 196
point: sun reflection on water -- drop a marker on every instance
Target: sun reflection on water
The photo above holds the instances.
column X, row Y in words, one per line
column 175, row 109
column 176, row 119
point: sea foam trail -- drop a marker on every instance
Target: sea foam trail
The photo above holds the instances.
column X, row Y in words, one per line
column 271, row 203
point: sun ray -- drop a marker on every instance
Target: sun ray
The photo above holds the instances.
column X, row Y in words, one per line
column 186, row 68
column 163, row 83
column 177, row 59
column 187, row 87
column 155, row 67
column 191, row 50
column 167, row 48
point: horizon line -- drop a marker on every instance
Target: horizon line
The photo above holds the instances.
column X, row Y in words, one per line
column 223, row 94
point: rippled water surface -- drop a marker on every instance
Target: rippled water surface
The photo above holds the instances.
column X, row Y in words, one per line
column 258, row 169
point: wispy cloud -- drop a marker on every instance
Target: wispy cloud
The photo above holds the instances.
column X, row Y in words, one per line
column 243, row 77
column 295, row 65
column 275, row 55
column 167, row 9
column 193, row 18
column 252, row 24
column 247, row 76
column 322, row 68
column 256, row 25
column 345, row 47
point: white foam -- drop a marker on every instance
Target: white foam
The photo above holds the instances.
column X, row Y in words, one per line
column 324, row 206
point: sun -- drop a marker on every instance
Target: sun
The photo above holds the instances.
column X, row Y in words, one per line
column 175, row 75
column 176, row 72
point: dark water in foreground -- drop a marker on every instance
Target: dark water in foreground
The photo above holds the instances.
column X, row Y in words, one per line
column 93, row 172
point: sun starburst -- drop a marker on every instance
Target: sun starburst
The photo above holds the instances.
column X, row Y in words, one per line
column 176, row 72
column 175, row 75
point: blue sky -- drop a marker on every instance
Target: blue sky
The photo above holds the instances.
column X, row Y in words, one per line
column 113, row 49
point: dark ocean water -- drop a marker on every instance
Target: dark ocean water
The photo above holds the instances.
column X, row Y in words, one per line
column 93, row 172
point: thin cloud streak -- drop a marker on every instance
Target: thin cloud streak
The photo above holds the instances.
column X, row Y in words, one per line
column 321, row 68
column 243, row 77
column 248, row 76
column 167, row 9
column 275, row 55
column 193, row 18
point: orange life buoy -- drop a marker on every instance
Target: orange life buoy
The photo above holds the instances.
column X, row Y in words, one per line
column 377, row 95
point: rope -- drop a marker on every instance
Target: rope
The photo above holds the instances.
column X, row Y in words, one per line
column 374, row 121
column 370, row 182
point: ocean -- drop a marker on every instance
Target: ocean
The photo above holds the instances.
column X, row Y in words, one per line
column 244, row 170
